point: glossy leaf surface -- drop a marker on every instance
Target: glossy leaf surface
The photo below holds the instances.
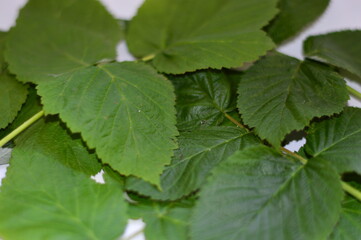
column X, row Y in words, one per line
column 280, row 94
column 186, row 35
column 202, row 98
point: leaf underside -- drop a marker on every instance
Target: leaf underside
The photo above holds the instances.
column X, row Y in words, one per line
column 212, row 33
column 294, row 15
column 258, row 194
column 280, row 94
column 341, row 49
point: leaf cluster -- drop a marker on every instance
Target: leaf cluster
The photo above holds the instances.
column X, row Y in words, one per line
column 190, row 137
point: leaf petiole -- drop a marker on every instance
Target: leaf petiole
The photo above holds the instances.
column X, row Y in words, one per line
column 148, row 58
column 345, row 186
column 354, row 92
column 21, row 128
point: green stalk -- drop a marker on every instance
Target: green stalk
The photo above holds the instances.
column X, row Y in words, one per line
column 354, row 92
column 134, row 234
column 21, row 128
column 351, row 190
column 345, row 186
column 148, row 58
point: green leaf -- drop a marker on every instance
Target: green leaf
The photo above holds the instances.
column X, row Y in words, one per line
column 45, row 195
column 202, row 98
column 164, row 221
column 280, row 94
column 12, row 93
column 31, row 106
column 12, row 96
column 337, row 140
column 341, row 49
column 259, row 194
column 123, row 110
column 199, row 152
column 65, row 35
column 294, row 16
column 349, row 224
column 186, row 35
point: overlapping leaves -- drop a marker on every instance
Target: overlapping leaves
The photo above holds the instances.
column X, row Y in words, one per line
column 48, row 185
column 341, row 49
column 280, row 94
column 337, row 140
column 258, row 194
column 199, row 152
column 12, row 93
column 186, row 35
column 124, row 110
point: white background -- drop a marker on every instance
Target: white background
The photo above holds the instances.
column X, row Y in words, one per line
column 340, row 15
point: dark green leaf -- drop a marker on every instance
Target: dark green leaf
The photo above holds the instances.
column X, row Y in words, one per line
column 45, row 195
column 186, row 35
column 31, row 106
column 280, row 94
column 341, row 49
column 259, row 194
column 12, row 96
column 337, row 140
column 12, row 93
column 53, row 37
column 349, row 224
column 199, row 152
column 164, row 221
column 293, row 17
column 123, row 110
column 202, row 98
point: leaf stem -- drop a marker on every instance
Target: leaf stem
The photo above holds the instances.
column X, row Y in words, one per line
column 351, row 190
column 21, row 128
column 148, row 58
column 345, row 186
column 354, row 92
column 235, row 121
column 134, row 234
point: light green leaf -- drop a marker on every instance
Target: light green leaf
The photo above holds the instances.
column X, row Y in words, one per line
column 164, row 221
column 44, row 196
column 202, row 98
column 341, row 49
column 259, row 194
column 337, row 140
column 280, row 94
column 349, row 224
column 186, row 35
column 123, row 110
column 293, row 17
column 12, row 93
column 53, row 37
column 199, row 152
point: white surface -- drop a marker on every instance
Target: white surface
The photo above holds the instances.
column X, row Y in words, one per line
column 341, row 14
